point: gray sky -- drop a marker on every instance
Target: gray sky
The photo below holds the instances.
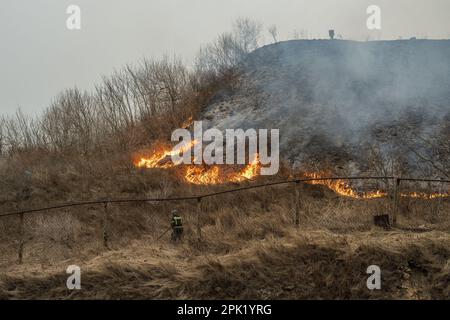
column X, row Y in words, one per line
column 39, row 56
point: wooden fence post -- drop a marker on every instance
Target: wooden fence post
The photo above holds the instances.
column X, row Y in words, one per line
column 105, row 225
column 199, row 212
column 396, row 199
column 22, row 238
column 297, row 203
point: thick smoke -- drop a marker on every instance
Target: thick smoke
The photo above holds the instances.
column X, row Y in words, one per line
column 337, row 101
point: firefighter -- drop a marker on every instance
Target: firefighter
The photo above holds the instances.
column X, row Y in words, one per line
column 177, row 226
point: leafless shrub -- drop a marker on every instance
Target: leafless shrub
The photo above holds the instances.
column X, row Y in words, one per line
column 273, row 31
column 247, row 33
column 150, row 98
column 222, row 57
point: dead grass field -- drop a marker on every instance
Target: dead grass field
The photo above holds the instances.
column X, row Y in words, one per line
column 250, row 249
column 303, row 264
column 82, row 148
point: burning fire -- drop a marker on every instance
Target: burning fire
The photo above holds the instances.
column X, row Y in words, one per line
column 342, row 187
column 210, row 175
column 249, row 172
column 199, row 174
column 424, row 195
column 202, row 175
column 163, row 158
column 213, row 175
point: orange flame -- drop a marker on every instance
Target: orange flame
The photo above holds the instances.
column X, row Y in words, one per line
column 202, row 175
column 209, row 175
column 198, row 174
column 424, row 195
column 163, row 158
column 342, row 187
column 213, row 175
column 250, row 171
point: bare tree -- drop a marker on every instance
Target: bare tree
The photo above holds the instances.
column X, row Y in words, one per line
column 247, row 34
column 220, row 59
column 132, row 105
column 433, row 151
column 273, row 32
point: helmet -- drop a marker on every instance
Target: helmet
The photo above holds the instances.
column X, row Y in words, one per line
column 174, row 212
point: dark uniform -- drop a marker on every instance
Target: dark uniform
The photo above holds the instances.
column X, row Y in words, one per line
column 177, row 227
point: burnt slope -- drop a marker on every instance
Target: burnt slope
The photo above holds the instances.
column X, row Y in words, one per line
column 335, row 102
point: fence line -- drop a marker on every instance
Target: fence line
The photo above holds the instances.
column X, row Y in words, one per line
column 297, row 205
column 194, row 197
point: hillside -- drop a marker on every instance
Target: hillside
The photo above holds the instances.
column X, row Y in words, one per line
column 342, row 108
column 335, row 102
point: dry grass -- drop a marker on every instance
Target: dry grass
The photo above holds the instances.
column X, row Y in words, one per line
column 303, row 264
column 249, row 249
column 80, row 149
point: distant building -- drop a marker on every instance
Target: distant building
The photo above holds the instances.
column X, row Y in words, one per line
column 331, row 33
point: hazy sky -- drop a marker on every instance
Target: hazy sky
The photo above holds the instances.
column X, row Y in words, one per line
column 39, row 56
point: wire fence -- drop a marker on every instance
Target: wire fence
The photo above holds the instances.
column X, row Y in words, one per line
column 76, row 229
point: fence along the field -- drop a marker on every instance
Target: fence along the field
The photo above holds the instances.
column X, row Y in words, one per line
column 394, row 195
